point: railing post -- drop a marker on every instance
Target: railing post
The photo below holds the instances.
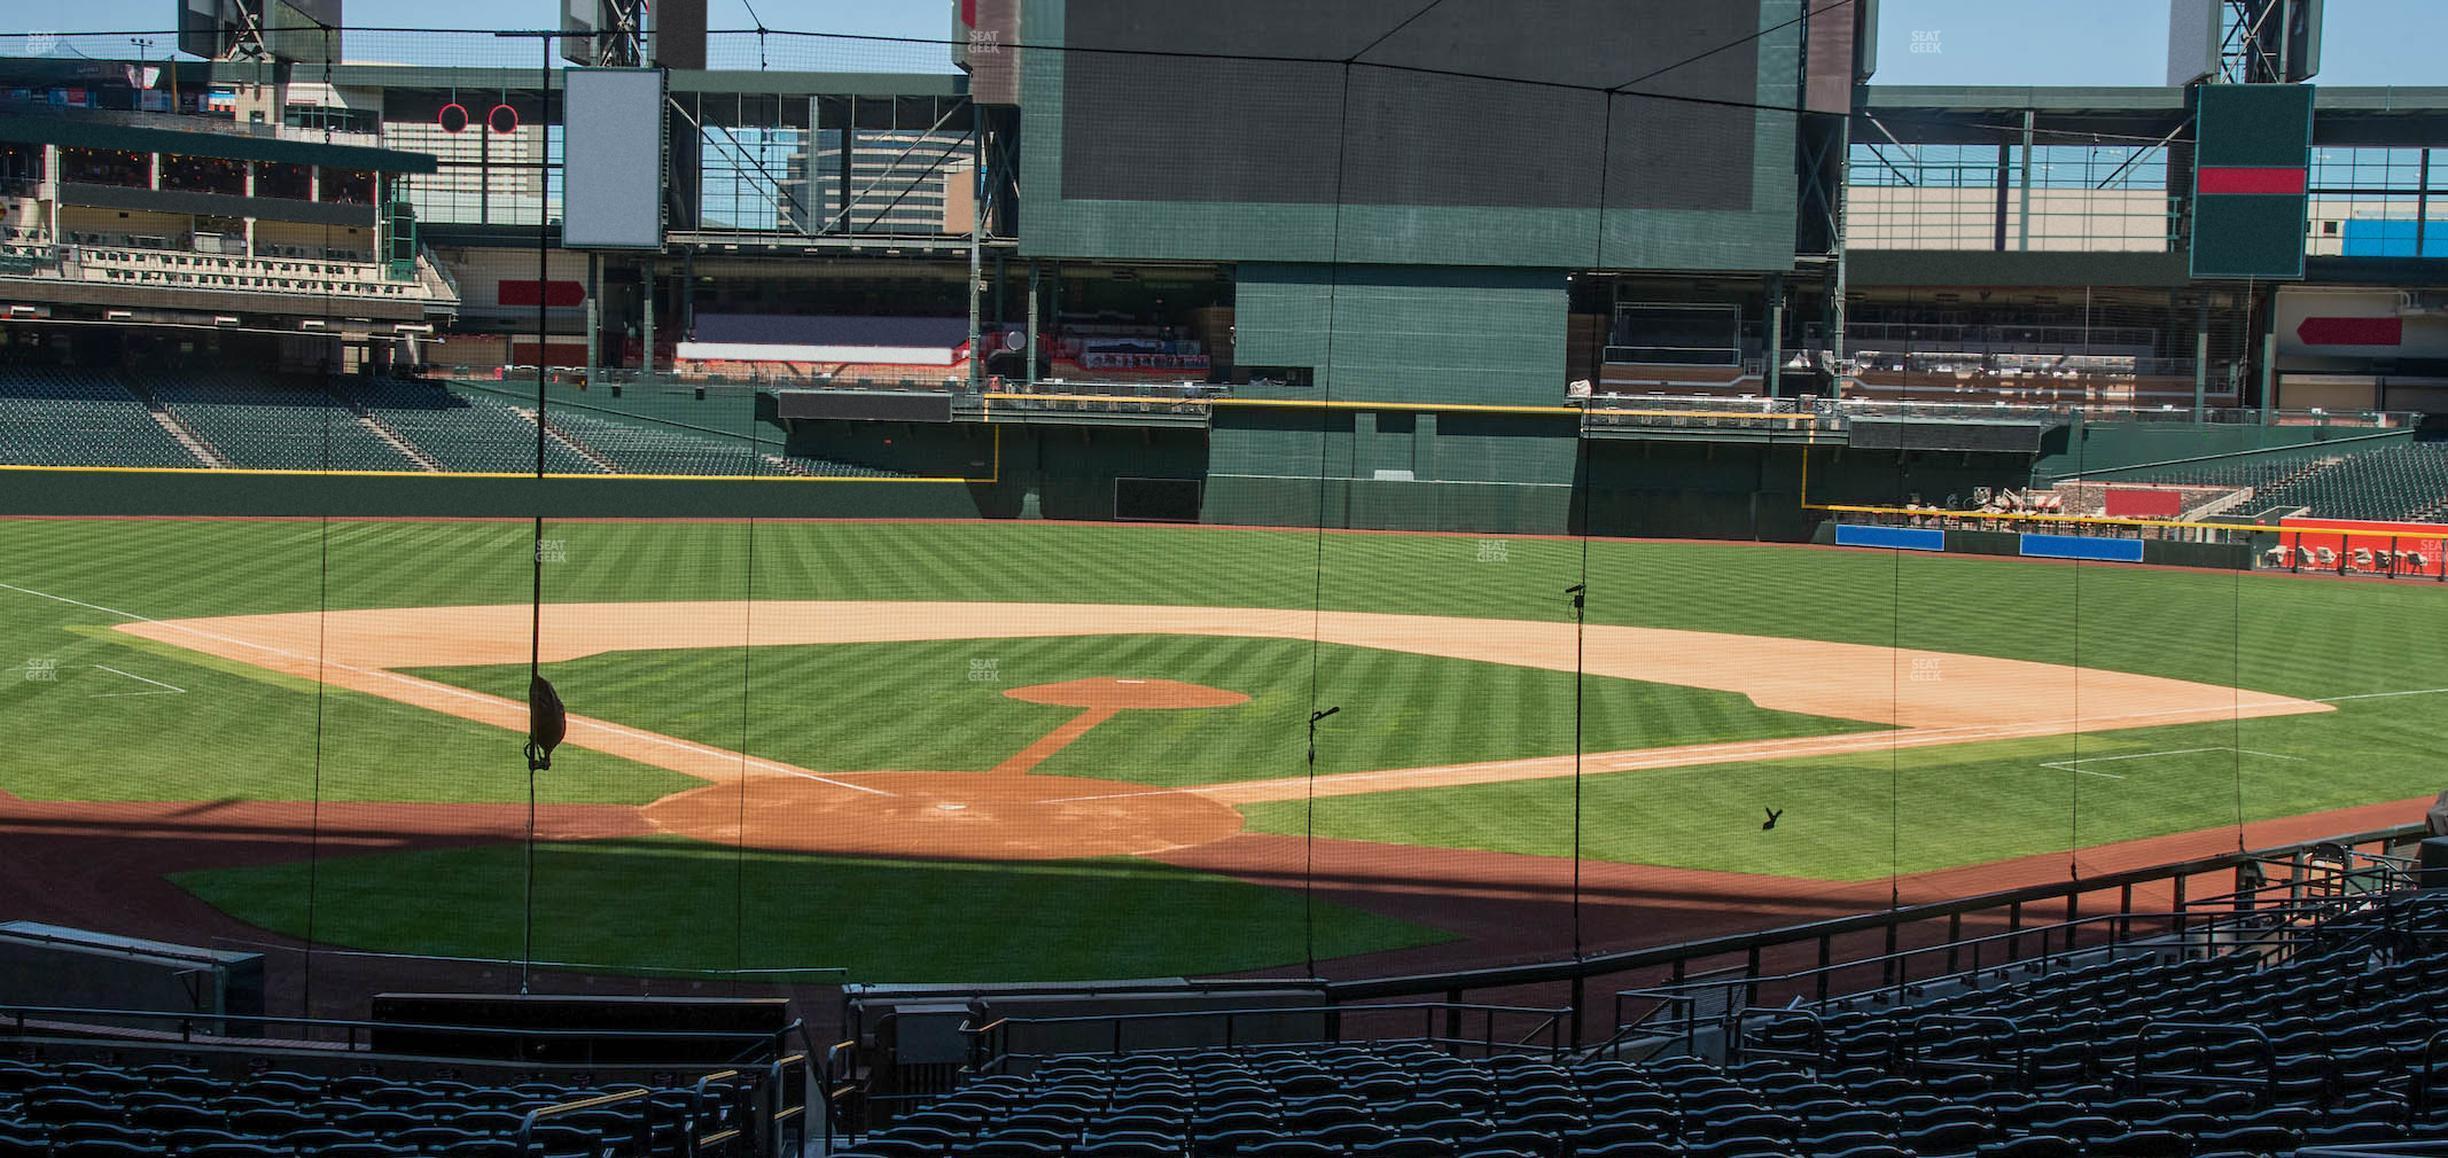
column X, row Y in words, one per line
column 1954, row 940
column 2014, row 931
column 1580, row 993
column 1751, row 973
column 1888, row 963
column 1825, row 958
column 1453, row 1014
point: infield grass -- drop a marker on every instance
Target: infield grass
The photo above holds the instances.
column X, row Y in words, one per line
column 939, row 706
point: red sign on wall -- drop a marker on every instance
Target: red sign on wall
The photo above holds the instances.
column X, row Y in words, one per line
column 2144, row 503
column 557, row 294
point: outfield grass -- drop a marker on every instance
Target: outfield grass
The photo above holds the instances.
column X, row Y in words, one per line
column 1865, row 816
column 651, row 905
column 923, row 706
column 2298, row 636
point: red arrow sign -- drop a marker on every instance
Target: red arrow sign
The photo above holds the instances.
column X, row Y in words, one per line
column 2352, row 331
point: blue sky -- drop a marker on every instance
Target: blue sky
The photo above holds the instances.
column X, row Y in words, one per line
column 2041, row 42
column 2034, row 42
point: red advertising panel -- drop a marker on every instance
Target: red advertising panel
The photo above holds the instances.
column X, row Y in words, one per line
column 557, row 294
column 2144, row 503
column 2356, row 547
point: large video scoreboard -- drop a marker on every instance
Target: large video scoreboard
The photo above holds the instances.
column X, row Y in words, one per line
column 1574, row 133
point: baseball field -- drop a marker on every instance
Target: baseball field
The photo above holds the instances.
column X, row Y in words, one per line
column 921, row 752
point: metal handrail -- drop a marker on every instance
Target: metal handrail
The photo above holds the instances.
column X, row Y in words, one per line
column 2014, row 1038
column 527, row 1125
column 2207, row 927
column 2420, row 1094
column 1624, row 961
column 834, row 1086
column 21, row 1017
column 779, row 1112
column 990, row 1042
column 699, row 1095
column 1624, row 1030
column 2269, row 1052
column 1768, row 1017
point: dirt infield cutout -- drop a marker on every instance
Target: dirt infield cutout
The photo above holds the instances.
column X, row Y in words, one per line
column 1010, row 814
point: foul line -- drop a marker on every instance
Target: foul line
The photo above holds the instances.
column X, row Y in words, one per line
column 168, row 689
column 2382, row 695
column 463, row 693
column 2076, row 765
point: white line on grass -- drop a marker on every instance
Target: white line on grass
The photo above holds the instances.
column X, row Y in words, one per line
column 2382, row 695
column 447, row 689
column 165, row 689
column 2076, row 764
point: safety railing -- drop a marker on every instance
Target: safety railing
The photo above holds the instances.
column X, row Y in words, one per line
column 2145, row 1073
column 326, row 1034
column 1910, row 1048
column 782, row 1117
column 722, row 1086
column 1834, row 413
column 840, row 1091
column 1667, row 1016
column 2021, row 938
column 641, row 1135
column 1446, row 1025
column 2322, row 871
column 763, row 1098
column 2373, row 1150
column 1969, row 960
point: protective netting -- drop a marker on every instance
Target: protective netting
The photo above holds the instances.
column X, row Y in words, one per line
column 1298, row 514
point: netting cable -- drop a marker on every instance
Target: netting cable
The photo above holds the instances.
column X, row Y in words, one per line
column 1579, row 591
column 1895, row 723
column 2235, row 690
column 535, row 620
column 739, row 890
column 2074, row 773
column 314, row 807
column 1317, row 583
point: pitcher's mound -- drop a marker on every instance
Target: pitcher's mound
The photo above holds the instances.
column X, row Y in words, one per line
column 947, row 815
column 1116, row 694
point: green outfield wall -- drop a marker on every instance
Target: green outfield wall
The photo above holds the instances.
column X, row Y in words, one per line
column 1453, row 471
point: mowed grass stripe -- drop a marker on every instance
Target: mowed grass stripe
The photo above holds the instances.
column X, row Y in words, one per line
column 2306, row 637
column 884, row 920
column 939, row 706
column 1917, row 810
column 2298, row 637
